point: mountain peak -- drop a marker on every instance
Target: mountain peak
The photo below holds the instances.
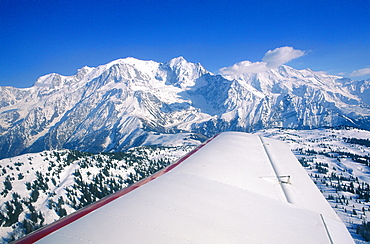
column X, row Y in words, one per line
column 184, row 73
column 49, row 80
column 177, row 61
column 83, row 71
column 128, row 60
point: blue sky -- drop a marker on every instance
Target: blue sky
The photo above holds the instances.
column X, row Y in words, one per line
column 38, row 37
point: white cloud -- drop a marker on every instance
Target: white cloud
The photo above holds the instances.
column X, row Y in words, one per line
column 281, row 55
column 271, row 59
column 360, row 72
column 244, row 67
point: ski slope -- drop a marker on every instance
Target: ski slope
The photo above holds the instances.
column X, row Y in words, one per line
column 235, row 188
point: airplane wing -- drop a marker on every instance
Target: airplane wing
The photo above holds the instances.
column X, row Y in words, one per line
column 235, row 188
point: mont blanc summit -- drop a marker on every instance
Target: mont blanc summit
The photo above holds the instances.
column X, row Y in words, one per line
column 129, row 102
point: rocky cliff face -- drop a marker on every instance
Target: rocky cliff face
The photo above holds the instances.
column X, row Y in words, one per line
column 128, row 101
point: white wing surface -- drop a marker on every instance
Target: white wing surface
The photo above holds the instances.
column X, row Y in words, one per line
column 236, row 188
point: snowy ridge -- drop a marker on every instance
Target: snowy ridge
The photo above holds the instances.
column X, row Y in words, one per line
column 120, row 104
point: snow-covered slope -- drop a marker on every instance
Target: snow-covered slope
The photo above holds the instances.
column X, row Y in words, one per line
column 123, row 103
column 233, row 189
column 39, row 188
column 337, row 161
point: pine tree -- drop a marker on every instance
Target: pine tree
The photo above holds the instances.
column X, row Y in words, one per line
column 34, row 195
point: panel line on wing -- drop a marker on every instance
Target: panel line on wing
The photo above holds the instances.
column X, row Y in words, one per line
column 275, row 171
column 326, row 228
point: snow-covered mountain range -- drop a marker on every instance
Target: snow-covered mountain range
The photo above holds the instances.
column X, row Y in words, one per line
column 130, row 102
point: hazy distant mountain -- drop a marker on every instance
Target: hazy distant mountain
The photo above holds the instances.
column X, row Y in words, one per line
column 130, row 102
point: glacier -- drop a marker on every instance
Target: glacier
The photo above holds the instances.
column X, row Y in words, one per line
column 128, row 102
